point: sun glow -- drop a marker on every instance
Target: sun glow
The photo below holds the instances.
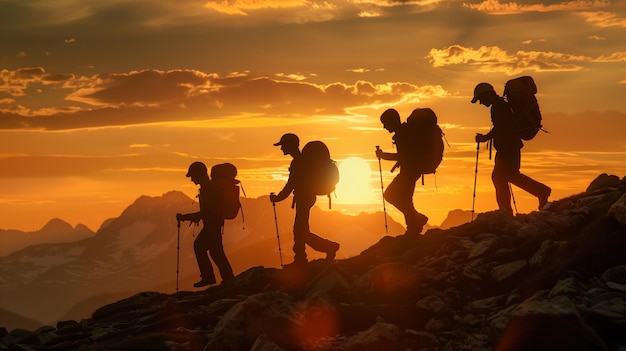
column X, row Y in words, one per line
column 355, row 183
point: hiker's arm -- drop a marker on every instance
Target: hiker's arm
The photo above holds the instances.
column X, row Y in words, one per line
column 194, row 217
column 283, row 194
column 481, row 138
column 389, row 156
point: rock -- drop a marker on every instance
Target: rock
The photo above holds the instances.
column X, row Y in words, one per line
column 615, row 274
column 380, row 336
column 388, row 282
column 508, row 270
column 271, row 313
column 603, row 181
column 543, row 254
column 482, row 247
column 618, row 210
column 432, row 304
column 549, row 325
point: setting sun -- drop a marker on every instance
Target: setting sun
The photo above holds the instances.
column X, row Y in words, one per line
column 355, row 184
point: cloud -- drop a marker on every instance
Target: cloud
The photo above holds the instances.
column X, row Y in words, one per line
column 495, row 59
column 242, row 7
column 596, row 37
column 152, row 96
column 603, row 19
column 495, row 7
column 307, row 11
column 16, row 82
column 530, row 41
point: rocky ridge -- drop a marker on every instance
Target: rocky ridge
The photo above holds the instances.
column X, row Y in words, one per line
column 549, row 280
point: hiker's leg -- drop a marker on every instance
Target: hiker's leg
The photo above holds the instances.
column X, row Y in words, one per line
column 301, row 226
column 216, row 250
column 415, row 221
column 392, row 191
column 320, row 244
column 399, row 193
column 201, row 246
column 530, row 185
column 504, row 166
column 540, row 190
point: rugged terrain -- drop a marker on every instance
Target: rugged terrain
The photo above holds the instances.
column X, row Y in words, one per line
column 549, row 280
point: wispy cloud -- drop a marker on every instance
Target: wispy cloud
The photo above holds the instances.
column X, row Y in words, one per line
column 495, row 7
column 242, row 7
column 604, row 19
column 495, row 59
column 314, row 10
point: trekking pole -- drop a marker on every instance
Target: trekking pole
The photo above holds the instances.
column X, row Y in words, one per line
column 280, row 253
column 475, row 178
column 513, row 197
column 382, row 191
column 177, row 255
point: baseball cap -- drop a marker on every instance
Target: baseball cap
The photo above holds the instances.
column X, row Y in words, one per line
column 480, row 89
column 288, row 138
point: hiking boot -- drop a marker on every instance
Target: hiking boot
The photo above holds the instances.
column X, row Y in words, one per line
column 330, row 255
column 543, row 200
column 417, row 225
column 414, row 230
column 204, row 282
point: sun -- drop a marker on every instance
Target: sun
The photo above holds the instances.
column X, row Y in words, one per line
column 355, row 181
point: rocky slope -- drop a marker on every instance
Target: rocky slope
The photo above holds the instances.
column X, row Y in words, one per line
column 138, row 251
column 549, row 280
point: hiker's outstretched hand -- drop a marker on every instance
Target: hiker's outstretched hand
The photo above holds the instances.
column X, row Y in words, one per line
column 379, row 153
column 481, row 138
column 192, row 217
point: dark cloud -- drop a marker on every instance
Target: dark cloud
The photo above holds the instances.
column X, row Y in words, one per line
column 157, row 96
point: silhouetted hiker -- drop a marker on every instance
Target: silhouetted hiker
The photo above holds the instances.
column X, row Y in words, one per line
column 400, row 191
column 210, row 237
column 508, row 146
column 304, row 197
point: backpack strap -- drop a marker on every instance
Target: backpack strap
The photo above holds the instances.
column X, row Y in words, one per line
column 243, row 220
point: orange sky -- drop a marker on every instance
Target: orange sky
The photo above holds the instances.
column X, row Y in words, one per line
column 102, row 102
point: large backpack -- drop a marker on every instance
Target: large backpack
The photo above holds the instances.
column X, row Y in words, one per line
column 520, row 94
column 320, row 172
column 223, row 176
column 427, row 139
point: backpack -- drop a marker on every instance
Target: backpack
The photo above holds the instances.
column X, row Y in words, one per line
column 223, row 176
column 520, row 94
column 427, row 138
column 320, row 172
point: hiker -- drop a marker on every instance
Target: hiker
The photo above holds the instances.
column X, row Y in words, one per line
column 210, row 237
column 508, row 146
column 400, row 191
column 304, row 198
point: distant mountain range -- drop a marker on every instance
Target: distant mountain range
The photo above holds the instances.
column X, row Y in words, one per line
column 77, row 270
column 54, row 231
